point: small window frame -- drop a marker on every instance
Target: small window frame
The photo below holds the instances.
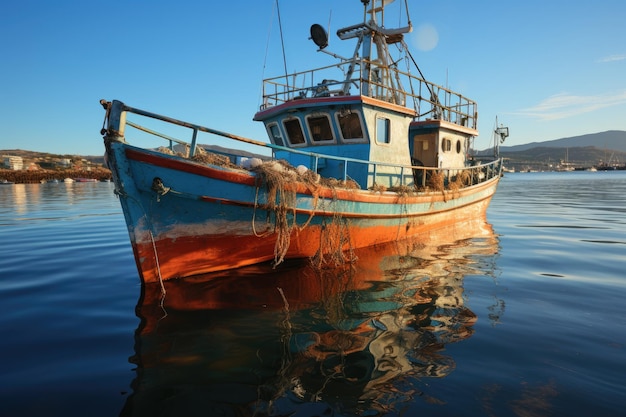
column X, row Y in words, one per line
column 446, row 145
column 326, row 128
column 287, row 126
column 359, row 116
column 383, row 124
column 275, row 134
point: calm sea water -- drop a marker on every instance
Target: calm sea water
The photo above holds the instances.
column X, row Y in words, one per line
column 526, row 319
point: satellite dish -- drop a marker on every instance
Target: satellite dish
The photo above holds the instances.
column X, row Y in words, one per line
column 319, row 36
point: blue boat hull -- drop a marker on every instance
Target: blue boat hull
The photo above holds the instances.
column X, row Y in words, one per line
column 185, row 218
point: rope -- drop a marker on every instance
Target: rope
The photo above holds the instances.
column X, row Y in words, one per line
column 156, row 260
column 256, row 196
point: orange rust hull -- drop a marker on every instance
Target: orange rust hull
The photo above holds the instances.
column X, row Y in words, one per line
column 256, row 329
column 304, row 285
column 206, row 218
column 186, row 256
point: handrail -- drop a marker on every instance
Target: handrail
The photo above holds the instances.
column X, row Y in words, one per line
column 429, row 99
column 489, row 169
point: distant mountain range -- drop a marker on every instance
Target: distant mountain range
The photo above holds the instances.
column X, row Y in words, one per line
column 580, row 151
column 583, row 151
column 612, row 140
column 39, row 156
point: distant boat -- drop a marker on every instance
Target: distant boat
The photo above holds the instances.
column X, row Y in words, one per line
column 68, row 180
column 85, row 180
column 362, row 153
column 611, row 165
column 53, row 181
column 6, row 182
column 565, row 165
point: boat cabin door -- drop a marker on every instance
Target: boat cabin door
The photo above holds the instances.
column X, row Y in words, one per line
column 424, row 150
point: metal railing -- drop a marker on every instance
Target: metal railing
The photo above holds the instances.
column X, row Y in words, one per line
column 405, row 175
column 389, row 84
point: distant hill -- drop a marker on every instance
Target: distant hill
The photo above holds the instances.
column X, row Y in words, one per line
column 580, row 156
column 611, row 140
column 34, row 155
column 579, row 151
column 583, row 151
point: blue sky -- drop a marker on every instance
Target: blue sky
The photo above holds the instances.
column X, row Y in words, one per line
column 547, row 69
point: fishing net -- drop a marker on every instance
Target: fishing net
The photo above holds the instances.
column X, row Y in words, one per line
column 281, row 200
column 334, row 239
column 403, row 190
column 436, row 181
column 165, row 150
column 200, row 155
column 205, row 157
column 333, row 183
column 461, row 180
column 281, row 181
column 378, row 188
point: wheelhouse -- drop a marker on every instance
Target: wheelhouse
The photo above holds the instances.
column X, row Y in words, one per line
column 352, row 126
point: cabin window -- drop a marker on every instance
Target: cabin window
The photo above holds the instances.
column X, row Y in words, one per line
column 458, row 146
column 382, row 130
column 277, row 138
column 319, row 127
column 294, row 131
column 350, row 125
column 446, row 145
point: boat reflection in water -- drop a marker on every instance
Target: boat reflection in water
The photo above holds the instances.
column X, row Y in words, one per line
column 301, row 340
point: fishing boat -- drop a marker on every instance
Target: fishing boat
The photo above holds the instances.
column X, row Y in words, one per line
column 359, row 153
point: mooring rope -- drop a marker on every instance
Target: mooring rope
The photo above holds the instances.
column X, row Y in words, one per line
column 156, row 260
column 256, row 197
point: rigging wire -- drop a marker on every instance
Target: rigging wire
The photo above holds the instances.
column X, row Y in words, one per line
column 282, row 42
column 408, row 17
column 267, row 48
column 418, row 70
column 267, row 45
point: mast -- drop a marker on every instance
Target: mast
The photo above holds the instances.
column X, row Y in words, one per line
column 375, row 60
column 379, row 39
column 501, row 132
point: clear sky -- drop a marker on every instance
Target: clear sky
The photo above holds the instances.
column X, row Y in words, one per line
column 547, row 69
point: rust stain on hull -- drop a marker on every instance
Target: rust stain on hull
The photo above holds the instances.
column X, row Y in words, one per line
column 184, row 256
